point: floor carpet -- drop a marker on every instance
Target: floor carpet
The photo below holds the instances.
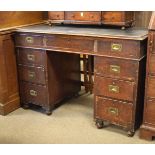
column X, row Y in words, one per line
column 70, row 123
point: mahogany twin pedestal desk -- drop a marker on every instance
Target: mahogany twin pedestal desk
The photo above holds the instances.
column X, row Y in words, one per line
column 49, row 69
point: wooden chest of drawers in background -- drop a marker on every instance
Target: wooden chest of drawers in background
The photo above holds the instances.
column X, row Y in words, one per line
column 116, row 18
column 119, row 84
column 45, row 78
column 147, row 130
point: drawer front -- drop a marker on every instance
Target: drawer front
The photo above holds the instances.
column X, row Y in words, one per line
column 83, row 16
column 151, row 42
column 116, row 68
column 56, row 15
column 66, row 43
column 114, row 88
column 31, row 93
column 151, row 87
column 150, row 112
column 117, row 112
column 151, row 63
column 112, row 16
column 119, row 48
column 32, row 74
column 29, row 40
column 31, row 57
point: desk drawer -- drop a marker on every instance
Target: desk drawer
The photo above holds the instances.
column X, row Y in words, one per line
column 114, row 88
column 119, row 48
column 117, row 112
column 87, row 16
column 31, row 93
column 29, row 40
column 116, row 68
column 56, row 15
column 32, row 74
column 31, row 57
column 69, row 43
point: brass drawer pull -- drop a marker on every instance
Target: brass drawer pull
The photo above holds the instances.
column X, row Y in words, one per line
column 113, row 89
column 116, row 47
column 33, row 93
column 29, row 40
column 81, row 14
column 31, row 57
column 115, row 69
column 31, row 74
column 113, row 111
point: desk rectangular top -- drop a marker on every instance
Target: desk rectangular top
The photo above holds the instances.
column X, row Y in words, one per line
column 128, row 33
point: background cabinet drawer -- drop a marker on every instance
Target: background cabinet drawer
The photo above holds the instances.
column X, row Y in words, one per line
column 83, row 16
column 116, row 68
column 114, row 88
column 29, row 40
column 151, row 87
column 32, row 74
column 149, row 112
column 151, row 63
column 119, row 48
column 31, row 57
column 117, row 112
column 31, row 93
column 70, row 43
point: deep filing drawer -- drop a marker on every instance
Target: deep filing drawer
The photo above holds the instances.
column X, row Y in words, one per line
column 32, row 74
column 31, row 57
column 114, row 88
column 117, row 112
column 29, row 40
column 119, row 48
column 116, row 68
column 70, row 43
column 31, row 93
column 83, row 16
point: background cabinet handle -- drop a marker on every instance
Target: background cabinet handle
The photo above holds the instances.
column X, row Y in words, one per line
column 116, row 47
column 29, row 40
column 113, row 111
column 113, row 89
column 33, row 93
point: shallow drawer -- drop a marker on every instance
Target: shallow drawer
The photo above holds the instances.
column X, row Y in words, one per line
column 32, row 74
column 151, row 87
column 116, row 68
column 150, row 112
column 56, row 15
column 83, row 16
column 31, row 56
column 31, row 93
column 112, row 16
column 151, row 64
column 117, row 112
column 114, row 88
column 67, row 43
column 29, row 40
column 119, row 48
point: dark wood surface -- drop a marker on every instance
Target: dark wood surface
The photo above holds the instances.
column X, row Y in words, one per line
column 148, row 127
column 9, row 95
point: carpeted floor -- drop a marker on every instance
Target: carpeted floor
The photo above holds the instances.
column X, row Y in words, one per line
column 70, row 123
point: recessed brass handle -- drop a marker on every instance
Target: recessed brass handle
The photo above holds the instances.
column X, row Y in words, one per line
column 116, row 47
column 113, row 111
column 115, row 69
column 31, row 74
column 29, row 40
column 33, row 93
column 113, row 89
column 81, row 14
column 31, row 57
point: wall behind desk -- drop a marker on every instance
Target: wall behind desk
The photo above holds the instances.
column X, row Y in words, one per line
column 16, row 18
